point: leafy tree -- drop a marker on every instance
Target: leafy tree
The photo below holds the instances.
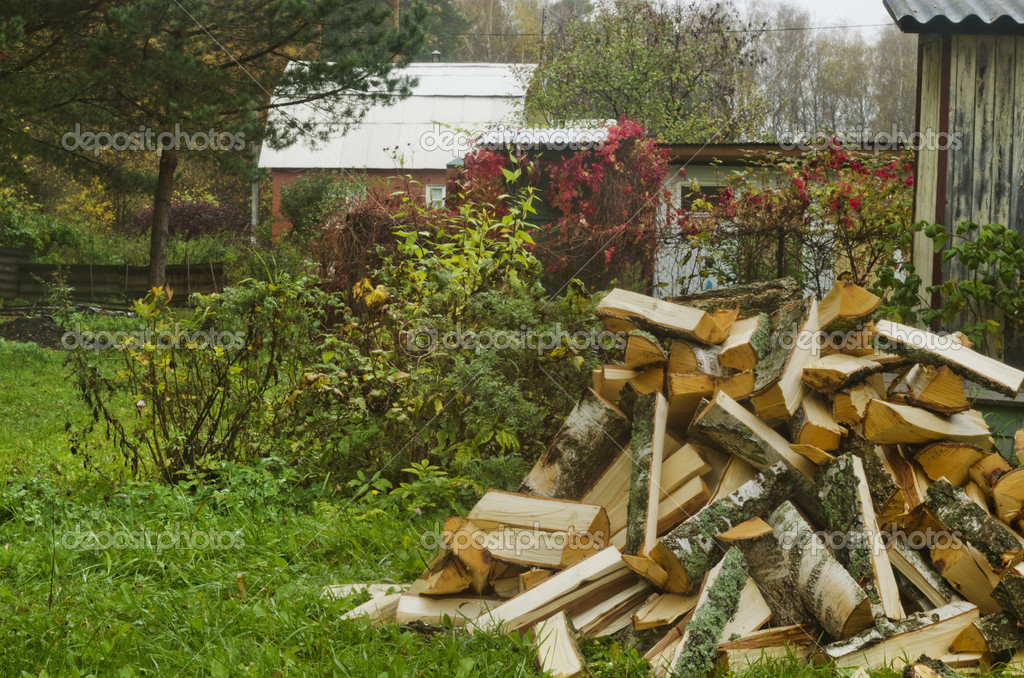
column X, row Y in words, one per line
column 200, row 72
column 676, row 69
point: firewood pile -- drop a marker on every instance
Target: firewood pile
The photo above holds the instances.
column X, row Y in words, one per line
column 763, row 476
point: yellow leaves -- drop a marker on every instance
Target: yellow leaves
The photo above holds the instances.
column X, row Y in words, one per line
column 372, row 297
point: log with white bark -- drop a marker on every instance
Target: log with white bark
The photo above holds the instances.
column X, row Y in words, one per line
column 459, row 610
column 650, row 415
column 689, row 551
column 793, row 345
column 686, row 357
column 889, row 424
column 661, row 318
column 827, row 590
column 508, row 509
column 767, row 566
column 961, row 516
column 839, row 371
column 925, row 632
column 936, row 388
column 846, row 499
column 557, row 652
column 931, row 349
column 912, row 565
column 926, row 667
column 992, row 633
column 751, row 298
column 589, row 439
column 1009, row 592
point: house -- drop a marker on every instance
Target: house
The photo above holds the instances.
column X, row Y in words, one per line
column 970, row 112
column 418, row 136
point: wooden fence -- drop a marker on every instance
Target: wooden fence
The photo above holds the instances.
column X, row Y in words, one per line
column 21, row 279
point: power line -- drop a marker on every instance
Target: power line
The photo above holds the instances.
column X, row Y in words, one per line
column 735, row 30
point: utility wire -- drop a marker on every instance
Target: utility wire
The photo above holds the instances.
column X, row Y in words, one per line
column 736, row 30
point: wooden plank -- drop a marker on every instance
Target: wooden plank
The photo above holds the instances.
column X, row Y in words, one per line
column 660, row 317
column 557, row 654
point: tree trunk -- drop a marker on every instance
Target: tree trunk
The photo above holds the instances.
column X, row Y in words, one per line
column 161, row 212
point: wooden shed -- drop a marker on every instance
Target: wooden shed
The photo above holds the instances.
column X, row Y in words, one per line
column 970, row 117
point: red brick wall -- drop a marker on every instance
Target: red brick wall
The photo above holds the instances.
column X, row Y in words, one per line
column 383, row 181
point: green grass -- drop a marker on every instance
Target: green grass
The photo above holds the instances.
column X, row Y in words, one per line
column 73, row 607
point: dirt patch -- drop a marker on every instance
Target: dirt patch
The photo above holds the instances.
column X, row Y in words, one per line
column 41, row 330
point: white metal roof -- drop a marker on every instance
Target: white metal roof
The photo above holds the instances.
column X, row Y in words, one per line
column 419, row 129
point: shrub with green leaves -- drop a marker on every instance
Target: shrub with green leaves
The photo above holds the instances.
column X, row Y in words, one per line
column 310, row 198
column 23, row 225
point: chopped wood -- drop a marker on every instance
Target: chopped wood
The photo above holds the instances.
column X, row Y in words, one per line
column 460, row 537
column 967, row 572
column 926, row 667
column 752, row 298
column 643, row 350
column 936, row 388
column 992, row 633
column 737, row 386
column 377, row 610
column 781, row 642
column 843, row 487
column 726, row 317
column 846, row 306
column 557, row 653
column 682, row 504
column 650, row 415
column 663, row 610
column 912, row 565
column 458, row 610
column 1009, row 592
column 508, row 509
column 827, row 590
column 838, row 371
column 889, row 424
column 1008, row 495
column 987, row 471
column 851, row 404
column 506, row 587
column 747, row 341
column 813, row 424
column 793, row 345
column 688, row 552
column 768, row 568
column 532, row 577
column 734, row 473
column 539, row 548
column 930, row 349
column 685, row 393
column 613, row 379
column 444, row 576
column 611, row 613
column 1018, row 446
column 682, row 466
column 925, row 632
column 813, row 454
column 611, row 491
column 593, row 433
column 650, row 380
column 886, row 494
column 949, row 460
column 661, row 318
column 961, row 516
column 647, row 569
column 752, row 612
column 685, row 357
column 911, row 479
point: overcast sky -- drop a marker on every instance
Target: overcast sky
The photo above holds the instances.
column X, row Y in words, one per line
column 846, row 13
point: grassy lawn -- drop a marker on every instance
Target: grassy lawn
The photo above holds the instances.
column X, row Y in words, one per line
column 207, row 580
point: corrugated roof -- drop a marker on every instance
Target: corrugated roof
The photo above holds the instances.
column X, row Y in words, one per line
column 418, row 129
column 961, row 16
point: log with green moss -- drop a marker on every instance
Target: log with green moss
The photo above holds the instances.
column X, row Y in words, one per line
column 713, row 612
column 785, row 326
column 752, row 299
column 961, row 516
column 689, row 551
column 926, row 667
column 886, row 494
column 649, row 417
column 997, row 632
column 1009, row 592
column 827, row 590
column 589, row 439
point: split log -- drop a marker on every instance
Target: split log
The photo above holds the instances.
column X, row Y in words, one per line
column 752, row 612
column 1009, row 592
column 530, row 548
column 650, row 380
column 856, row 342
column 661, row 318
column 647, row 570
column 737, row 386
column 949, row 460
column 926, row 667
column 851, row 404
column 682, row 466
column 936, row 388
column 752, row 299
column 457, row 610
column 815, row 455
column 965, row 569
column 663, row 610
column 779, row 643
column 987, row 472
column 576, row 583
column 688, row 552
column 460, row 537
column 612, row 612
column 726, row 317
column 930, row 349
column 826, row 589
column 886, row 494
column 778, row 388
column 911, row 564
column 926, row 632
column 557, row 653
column 613, row 379
column 593, row 433
column 846, row 499
column 445, row 575
column 683, row 503
column 1018, row 446
column 685, row 393
column 767, row 567
column 650, row 415
column 911, row 479
column 506, row 587
column 1008, row 495
column 686, row 357
column 611, row 491
column 530, row 578
column 813, row 424
column 734, row 429
column 847, row 306
column 992, row 633
column 508, row 509
column 377, row 610
column 839, row 371
column 889, row 424
column 733, row 474
column 959, row 515
column 643, row 350
column 747, row 342
column 718, row 603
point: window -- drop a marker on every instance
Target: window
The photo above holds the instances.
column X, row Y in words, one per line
column 435, row 195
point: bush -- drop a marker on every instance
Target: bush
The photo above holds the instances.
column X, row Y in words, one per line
column 308, row 200
column 192, row 219
column 23, row 226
